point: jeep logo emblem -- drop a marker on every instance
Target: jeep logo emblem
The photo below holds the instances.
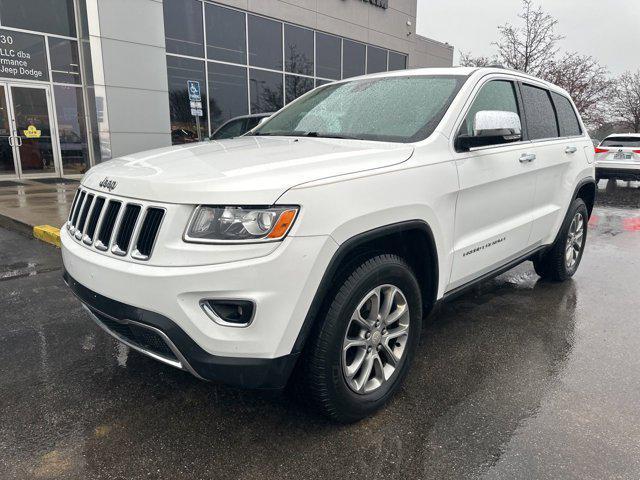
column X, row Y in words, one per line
column 108, row 184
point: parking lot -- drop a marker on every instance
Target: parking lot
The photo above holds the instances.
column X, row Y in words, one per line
column 517, row 379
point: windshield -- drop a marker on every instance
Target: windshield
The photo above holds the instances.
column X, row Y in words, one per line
column 391, row 109
column 621, row 142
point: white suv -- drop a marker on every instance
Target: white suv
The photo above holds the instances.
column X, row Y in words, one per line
column 618, row 157
column 314, row 246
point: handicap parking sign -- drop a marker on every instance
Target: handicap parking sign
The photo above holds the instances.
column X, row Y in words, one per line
column 194, row 90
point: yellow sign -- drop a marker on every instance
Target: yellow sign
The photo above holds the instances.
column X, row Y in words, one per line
column 32, row 132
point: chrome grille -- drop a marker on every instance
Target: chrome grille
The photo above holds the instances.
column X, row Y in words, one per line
column 88, row 200
column 108, row 222
column 125, row 232
column 114, row 225
column 93, row 220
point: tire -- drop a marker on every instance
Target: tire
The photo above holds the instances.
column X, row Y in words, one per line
column 555, row 264
column 328, row 358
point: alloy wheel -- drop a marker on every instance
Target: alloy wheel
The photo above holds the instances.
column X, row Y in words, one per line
column 575, row 240
column 376, row 339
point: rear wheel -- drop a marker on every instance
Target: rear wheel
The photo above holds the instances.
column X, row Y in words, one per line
column 561, row 261
column 361, row 351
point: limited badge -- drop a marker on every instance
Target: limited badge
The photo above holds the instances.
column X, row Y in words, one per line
column 32, row 132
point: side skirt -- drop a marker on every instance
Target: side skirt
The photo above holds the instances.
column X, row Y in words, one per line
column 456, row 292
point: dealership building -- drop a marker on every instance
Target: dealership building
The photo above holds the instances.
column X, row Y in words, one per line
column 82, row 81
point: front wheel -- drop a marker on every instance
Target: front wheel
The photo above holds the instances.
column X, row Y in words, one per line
column 361, row 351
column 561, row 261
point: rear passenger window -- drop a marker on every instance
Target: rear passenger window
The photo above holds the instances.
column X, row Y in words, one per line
column 569, row 125
column 495, row 95
column 541, row 118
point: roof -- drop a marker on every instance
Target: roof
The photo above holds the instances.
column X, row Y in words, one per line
column 624, row 135
column 463, row 71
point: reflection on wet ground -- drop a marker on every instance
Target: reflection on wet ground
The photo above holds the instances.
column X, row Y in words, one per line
column 518, row 379
column 35, row 203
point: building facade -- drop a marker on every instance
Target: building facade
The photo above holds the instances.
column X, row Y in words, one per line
column 82, row 81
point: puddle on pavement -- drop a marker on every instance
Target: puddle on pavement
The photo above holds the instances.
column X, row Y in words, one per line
column 22, row 269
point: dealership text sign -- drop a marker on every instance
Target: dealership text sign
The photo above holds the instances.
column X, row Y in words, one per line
column 378, row 3
column 22, row 56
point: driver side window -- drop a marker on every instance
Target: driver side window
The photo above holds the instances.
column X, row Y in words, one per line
column 495, row 95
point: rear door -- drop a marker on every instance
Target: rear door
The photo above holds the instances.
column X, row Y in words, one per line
column 553, row 157
column 558, row 146
column 495, row 201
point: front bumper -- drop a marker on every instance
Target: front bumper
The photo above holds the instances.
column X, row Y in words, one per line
column 137, row 328
column 281, row 285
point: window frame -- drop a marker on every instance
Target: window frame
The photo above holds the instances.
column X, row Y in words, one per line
column 553, row 107
column 467, row 108
column 575, row 113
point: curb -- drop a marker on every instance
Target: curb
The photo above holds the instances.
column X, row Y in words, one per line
column 47, row 234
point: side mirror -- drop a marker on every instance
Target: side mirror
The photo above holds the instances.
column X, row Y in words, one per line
column 262, row 120
column 491, row 127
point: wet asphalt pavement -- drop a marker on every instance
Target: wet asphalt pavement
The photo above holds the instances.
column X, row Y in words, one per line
column 519, row 379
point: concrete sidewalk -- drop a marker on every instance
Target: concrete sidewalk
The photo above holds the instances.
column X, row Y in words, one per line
column 25, row 204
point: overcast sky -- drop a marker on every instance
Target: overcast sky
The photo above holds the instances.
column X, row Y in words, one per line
column 606, row 29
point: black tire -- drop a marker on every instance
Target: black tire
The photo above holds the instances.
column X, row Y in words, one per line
column 322, row 375
column 552, row 264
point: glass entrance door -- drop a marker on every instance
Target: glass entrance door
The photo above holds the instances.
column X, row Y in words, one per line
column 7, row 140
column 32, row 129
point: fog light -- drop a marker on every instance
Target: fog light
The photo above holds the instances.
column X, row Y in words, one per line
column 230, row 313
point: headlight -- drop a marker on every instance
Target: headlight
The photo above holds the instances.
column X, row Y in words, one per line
column 239, row 224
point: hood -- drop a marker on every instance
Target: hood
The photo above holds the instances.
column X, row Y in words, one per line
column 246, row 170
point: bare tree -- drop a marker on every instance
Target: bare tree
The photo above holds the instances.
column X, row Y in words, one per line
column 587, row 82
column 530, row 47
column 468, row 60
column 626, row 100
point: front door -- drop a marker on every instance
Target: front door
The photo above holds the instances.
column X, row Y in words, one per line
column 497, row 185
column 8, row 153
column 26, row 132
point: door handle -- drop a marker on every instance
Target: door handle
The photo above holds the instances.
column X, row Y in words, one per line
column 527, row 157
column 570, row 150
column 11, row 144
column 19, row 141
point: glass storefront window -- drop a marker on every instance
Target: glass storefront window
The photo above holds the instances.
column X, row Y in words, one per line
column 397, row 61
column 227, row 93
column 296, row 86
column 226, row 34
column 298, row 50
column 183, row 124
column 328, row 56
column 353, row 58
column 49, row 16
column 72, row 130
column 376, row 59
column 183, row 27
column 65, row 61
column 266, row 91
column 282, row 62
column 265, row 43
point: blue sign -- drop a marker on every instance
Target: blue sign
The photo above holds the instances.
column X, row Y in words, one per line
column 194, row 91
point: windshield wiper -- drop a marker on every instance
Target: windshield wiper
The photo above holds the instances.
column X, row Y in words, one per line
column 303, row 133
column 329, row 135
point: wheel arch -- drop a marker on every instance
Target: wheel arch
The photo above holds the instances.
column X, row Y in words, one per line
column 413, row 240
column 586, row 190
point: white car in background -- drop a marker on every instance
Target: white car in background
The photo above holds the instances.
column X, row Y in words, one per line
column 320, row 240
column 618, row 157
